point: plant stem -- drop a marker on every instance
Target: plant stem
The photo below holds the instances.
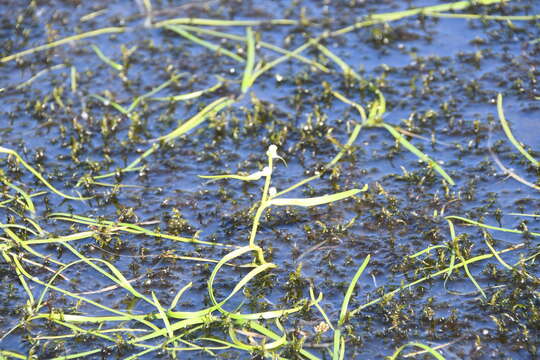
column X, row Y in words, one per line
column 260, row 210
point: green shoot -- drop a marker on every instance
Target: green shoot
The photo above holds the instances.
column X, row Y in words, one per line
column 38, row 175
column 509, row 134
column 106, row 59
column 247, row 79
column 206, row 44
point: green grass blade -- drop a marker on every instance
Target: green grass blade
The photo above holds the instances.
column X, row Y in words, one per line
column 163, row 316
column 267, row 346
column 77, row 330
column 509, row 134
column 106, row 59
column 279, row 60
column 225, row 23
column 401, row 139
column 210, row 109
column 128, row 227
column 154, row 91
column 314, row 201
column 347, row 70
column 318, row 306
column 247, row 79
column 429, row 350
column 10, row 258
column 38, row 175
column 497, row 256
column 329, row 165
column 427, row 250
column 350, row 289
column 252, row 177
column 6, row 354
column 266, row 315
column 60, row 239
column 346, row 147
column 182, row 324
column 18, row 226
column 398, row 15
column 73, row 78
column 476, row 223
column 36, row 226
column 70, row 294
column 269, row 333
column 136, row 101
column 204, row 43
column 66, row 40
column 254, row 272
column 484, row 17
column 224, row 35
column 191, row 95
column 463, row 260
column 527, row 215
column 338, row 339
column 109, row 102
column 117, row 277
column 199, row 118
column 230, row 256
column 228, row 344
column 357, row 106
column 133, row 165
column 431, row 276
column 179, row 295
column 57, row 274
column 38, row 75
column 29, row 203
column 453, row 253
column 25, row 245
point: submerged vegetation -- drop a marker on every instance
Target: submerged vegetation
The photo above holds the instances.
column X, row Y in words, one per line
column 59, row 232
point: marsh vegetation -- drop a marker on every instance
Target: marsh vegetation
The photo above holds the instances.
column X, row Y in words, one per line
column 305, row 179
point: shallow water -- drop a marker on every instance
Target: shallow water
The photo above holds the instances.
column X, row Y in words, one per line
column 440, row 78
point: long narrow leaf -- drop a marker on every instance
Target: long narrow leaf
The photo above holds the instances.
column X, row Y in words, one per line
column 109, row 102
column 247, row 79
column 279, row 60
column 347, row 70
column 314, row 201
column 418, row 153
column 29, row 203
column 206, row 44
column 463, row 261
column 38, row 175
column 486, row 226
column 509, row 134
column 163, row 315
column 397, row 15
column 66, row 40
column 225, row 23
column 338, row 340
column 428, row 349
column 106, row 59
column 212, row 108
column 179, row 295
column 224, row 35
column 191, row 95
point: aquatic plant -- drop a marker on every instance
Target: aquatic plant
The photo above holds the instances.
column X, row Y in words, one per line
column 220, row 324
